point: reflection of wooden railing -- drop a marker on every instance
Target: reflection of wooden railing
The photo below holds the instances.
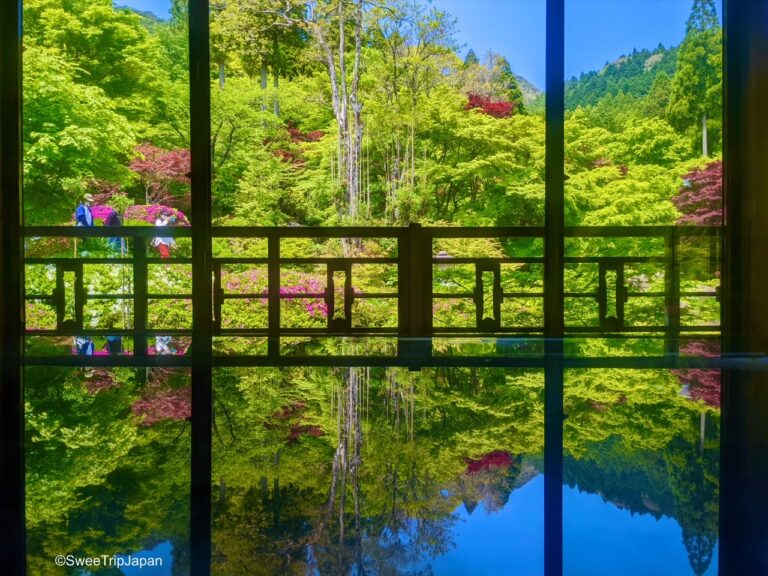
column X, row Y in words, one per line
column 418, row 267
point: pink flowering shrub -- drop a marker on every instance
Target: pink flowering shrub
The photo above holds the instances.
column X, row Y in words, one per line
column 101, row 212
column 142, row 212
column 151, row 212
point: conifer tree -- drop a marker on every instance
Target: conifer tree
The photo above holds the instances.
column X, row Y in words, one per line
column 471, row 59
column 511, row 86
column 697, row 85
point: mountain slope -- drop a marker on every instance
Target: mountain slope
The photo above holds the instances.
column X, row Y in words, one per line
column 632, row 74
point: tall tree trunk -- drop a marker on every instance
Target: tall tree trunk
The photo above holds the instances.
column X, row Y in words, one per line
column 276, row 72
column 357, row 109
column 346, row 104
column 264, row 76
column 704, row 142
column 221, row 74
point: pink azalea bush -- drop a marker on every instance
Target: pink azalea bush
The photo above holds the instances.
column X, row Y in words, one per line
column 101, row 212
column 151, row 212
column 141, row 212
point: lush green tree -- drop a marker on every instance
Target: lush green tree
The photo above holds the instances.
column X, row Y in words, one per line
column 255, row 36
column 109, row 48
column 471, row 59
column 509, row 83
column 72, row 133
column 696, row 97
column 413, row 50
column 657, row 101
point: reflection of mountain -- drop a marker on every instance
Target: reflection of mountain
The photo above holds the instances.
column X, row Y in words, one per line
column 679, row 483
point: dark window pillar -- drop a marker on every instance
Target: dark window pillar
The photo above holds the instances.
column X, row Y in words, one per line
column 202, row 286
column 12, row 537
column 744, row 457
column 554, row 253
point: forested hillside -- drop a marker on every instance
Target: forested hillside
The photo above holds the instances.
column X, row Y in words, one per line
column 633, row 74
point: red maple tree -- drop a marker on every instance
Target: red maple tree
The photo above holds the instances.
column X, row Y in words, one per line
column 701, row 197
column 159, row 169
column 495, row 108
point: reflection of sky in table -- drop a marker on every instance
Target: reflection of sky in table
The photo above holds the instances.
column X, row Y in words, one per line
column 510, row 541
column 599, row 539
column 163, row 550
column 602, row 539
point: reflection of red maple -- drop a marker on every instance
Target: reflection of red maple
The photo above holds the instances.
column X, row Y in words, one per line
column 299, row 430
column 297, row 136
column 495, row 459
column 702, row 384
column 99, row 379
column 293, row 411
column 169, row 404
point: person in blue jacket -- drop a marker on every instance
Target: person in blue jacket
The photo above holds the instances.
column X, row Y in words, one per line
column 83, row 214
column 84, row 346
column 84, row 217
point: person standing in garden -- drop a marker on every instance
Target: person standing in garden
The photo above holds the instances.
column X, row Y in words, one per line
column 163, row 345
column 114, row 345
column 84, row 346
column 115, row 219
column 163, row 244
column 84, row 217
column 83, row 214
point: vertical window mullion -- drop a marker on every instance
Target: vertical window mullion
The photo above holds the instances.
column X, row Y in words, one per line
column 554, row 253
column 202, row 301
column 12, row 522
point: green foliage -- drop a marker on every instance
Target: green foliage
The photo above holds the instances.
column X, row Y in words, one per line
column 512, row 91
column 697, row 84
column 72, row 134
column 657, row 101
column 632, row 74
column 112, row 47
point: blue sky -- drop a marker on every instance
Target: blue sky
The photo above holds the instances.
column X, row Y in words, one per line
column 596, row 30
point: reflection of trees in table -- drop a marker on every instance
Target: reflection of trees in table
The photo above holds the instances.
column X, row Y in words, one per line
column 381, row 483
column 99, row 482
column 633, row 438
column 350, row 469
